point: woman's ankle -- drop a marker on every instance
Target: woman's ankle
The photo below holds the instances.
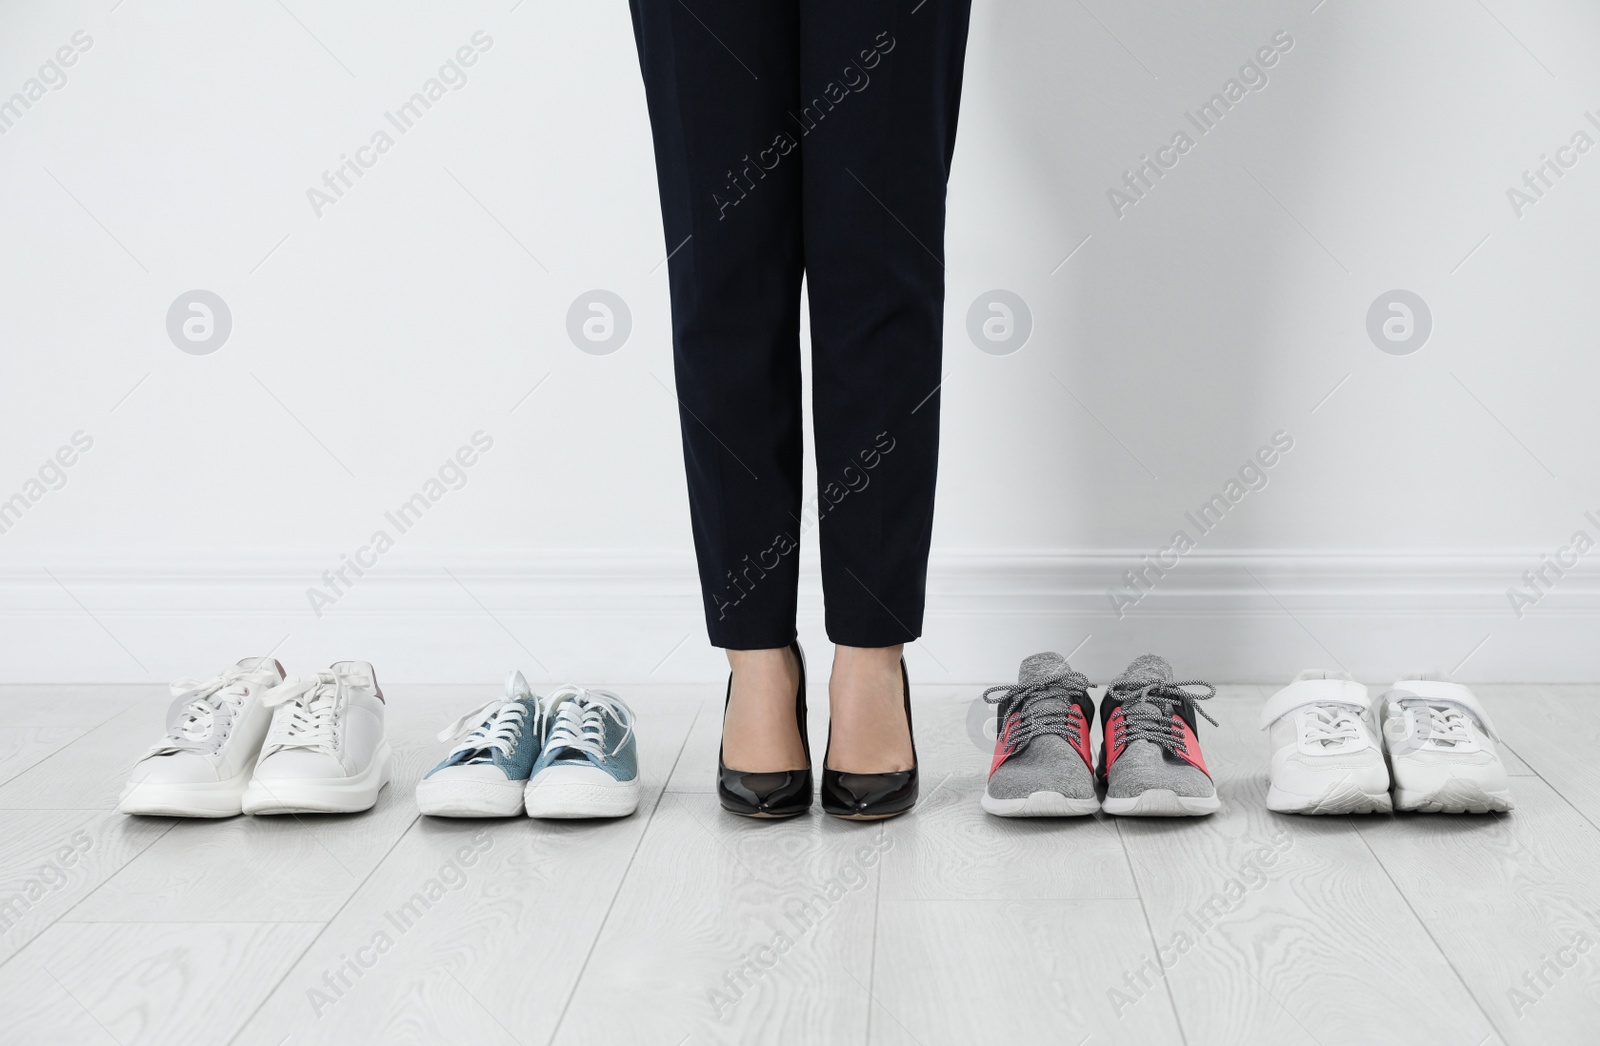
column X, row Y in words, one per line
column 759, row 731
column 869, row 731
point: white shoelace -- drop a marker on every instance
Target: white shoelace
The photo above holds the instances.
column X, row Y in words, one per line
column 1445, row 725
column 203, row 710
column 495, row 727
column 311, row 719
column 1331, row 725
column 581, row 720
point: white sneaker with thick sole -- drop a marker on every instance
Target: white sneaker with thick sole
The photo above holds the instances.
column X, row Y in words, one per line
column 1326, row 755
column 1443, row 751
column 214, row 731
column 325, row 752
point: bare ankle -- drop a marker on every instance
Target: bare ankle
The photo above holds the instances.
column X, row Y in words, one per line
column 870, row 733
column 759, row 729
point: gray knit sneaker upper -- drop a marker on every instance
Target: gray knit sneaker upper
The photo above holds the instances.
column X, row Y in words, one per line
column 1043, row 731
column 1151, row 718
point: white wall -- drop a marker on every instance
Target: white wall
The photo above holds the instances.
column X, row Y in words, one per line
column 371, row 341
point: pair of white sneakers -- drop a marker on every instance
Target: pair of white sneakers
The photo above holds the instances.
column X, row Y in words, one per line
column 249, row 740
column 1438, row 751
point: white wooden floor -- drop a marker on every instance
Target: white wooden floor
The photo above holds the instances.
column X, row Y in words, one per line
column 686, row 925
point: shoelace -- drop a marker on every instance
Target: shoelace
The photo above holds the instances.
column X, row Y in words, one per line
column 203, row 709
column 1329, row 725
column 1033, row 718
column 312, row 717
column 580, row 722
column 496, row 727
column 1440, row 724
column 1147, row 711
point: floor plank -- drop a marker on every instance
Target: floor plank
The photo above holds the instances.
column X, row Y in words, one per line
column 1000, row 972
column 513, row 918
column 1270, row 924
column 767, row 923
column 88, row 772
column 944, row 926
column 1503, row 895
column 23, row 747
column 123, row 984
column 948, row 848
column 52, row 859
column 1557, row 730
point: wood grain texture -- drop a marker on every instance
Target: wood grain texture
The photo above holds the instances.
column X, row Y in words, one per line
column 131, row 983
column 1503, row 895
column 943, row 926
column 949, row 848
column 22, row 747
column 499, row 934
column 1557, row 729
column 89, row 771
column 52, row 859
column 295, row 867
column 1271, row 926
column 1003, row 972
column 736, row 930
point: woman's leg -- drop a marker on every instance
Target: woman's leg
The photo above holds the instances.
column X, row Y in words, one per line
column 881, row 84
column 721, row 77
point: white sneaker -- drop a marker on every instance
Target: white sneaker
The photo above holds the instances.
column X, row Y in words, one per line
column 214, row 730
column 1326, row 757
column 325, row 752
column 1442, row 749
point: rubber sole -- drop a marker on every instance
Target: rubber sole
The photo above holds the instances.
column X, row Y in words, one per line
column 1161, row 802
column 443, row 797
column 209, row 799
column 557, row 799
column 1456, row 796
column 1040, row 804
column 1341, row 799
column 347, row 795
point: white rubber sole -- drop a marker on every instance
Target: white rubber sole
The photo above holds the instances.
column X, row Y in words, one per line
column 347, row 795
column 1040, row 804
column 1162, row 802
column 569, row 796
column 1340, row 799
column 1456, row 796
column 208, row 799
column 442, row 797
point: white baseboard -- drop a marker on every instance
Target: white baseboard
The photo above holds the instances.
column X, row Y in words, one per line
column 1238, row 617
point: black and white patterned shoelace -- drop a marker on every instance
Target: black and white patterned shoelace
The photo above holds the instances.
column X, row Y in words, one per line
column 1035, row 718
column 1147, row 711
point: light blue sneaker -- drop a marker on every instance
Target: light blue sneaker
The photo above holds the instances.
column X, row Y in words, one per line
column 485, row 774
column 590, row 763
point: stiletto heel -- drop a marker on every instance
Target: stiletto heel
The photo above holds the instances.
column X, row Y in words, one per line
column 872, row 797
column 773, row 794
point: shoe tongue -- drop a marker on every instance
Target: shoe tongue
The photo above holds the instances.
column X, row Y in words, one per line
column 1042, row 668
column 1147, row 669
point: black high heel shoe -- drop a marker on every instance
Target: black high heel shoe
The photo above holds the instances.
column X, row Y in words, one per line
column 872, row 797
column 781, row 793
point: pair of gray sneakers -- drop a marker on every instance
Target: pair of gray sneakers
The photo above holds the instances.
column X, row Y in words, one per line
column 1150, row 761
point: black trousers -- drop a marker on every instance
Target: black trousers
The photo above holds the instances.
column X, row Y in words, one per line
column 806, row 138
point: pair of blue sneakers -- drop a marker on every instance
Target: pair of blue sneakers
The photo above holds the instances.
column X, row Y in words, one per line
column 571, row 753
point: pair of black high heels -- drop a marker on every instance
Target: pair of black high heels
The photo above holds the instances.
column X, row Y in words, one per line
column 787, row 793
